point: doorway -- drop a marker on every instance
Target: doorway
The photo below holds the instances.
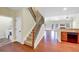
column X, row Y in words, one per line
column 50, row 33
column 18, row 29
column 6, row 30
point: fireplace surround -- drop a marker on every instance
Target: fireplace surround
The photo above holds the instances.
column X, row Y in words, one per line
column 72, row 37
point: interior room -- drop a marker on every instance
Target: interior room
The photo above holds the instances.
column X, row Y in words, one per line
column 40, row 29
column 62, row 24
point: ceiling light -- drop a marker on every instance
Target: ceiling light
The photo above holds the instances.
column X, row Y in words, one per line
column 64, row 9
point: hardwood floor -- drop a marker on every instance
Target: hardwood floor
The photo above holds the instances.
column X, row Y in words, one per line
column 4, row 41
column 15, row 47
column 47, row 44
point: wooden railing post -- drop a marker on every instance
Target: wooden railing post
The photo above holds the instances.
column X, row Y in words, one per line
column 33, row 34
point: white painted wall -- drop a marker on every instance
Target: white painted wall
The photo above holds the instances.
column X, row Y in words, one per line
column 52, row 19
column 48, row 23
column 27, row 24
column 5, row 26
column 18, row 29
column 76, row 23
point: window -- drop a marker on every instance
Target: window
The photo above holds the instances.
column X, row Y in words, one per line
column 56, row 26
column 62, row 26
column 52, row 26
column 68, row 25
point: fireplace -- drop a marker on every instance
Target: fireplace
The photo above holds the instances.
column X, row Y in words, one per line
column 72, row 37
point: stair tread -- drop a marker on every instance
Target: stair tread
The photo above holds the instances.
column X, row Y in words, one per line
column 30, row 34
column 28, row 42
column 29, row 38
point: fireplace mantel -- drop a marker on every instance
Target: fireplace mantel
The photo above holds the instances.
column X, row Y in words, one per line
column 69, row 30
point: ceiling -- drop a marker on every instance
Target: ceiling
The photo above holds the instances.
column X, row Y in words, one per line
column 16, row 8
column 57, row 11
column 53, row 11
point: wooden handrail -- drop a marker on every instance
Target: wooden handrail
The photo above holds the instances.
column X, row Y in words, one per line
column 31, row 11
column 33, row 39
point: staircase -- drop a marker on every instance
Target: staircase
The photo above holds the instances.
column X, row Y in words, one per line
column 38, row 18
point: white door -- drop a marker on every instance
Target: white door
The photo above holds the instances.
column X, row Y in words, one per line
column 18, row 29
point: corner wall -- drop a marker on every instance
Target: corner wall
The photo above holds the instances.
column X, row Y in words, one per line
column 4, row 11
column 27, row 24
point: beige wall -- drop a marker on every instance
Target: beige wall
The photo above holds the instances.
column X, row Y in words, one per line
column 27, row 23
column 9, row 13
column 76, row 22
